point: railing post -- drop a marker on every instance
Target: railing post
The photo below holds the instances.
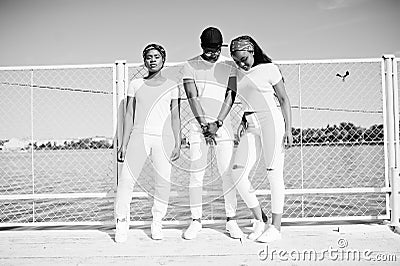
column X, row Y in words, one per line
column 121, row 83
column 396, row 172
column 391, row 115
column 32, row 148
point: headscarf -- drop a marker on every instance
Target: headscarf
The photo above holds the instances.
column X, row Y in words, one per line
column 157, row 47
column 241, row 45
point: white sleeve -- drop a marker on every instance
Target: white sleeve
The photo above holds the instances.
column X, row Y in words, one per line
column 274, row 74
column 175, row 92
column 233, row 69
column 187, row 71
column 132, row 88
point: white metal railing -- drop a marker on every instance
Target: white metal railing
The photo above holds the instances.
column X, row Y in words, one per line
column 392, row 103
column 311, row 196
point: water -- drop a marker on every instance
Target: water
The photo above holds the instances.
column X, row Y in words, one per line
column 91, row 171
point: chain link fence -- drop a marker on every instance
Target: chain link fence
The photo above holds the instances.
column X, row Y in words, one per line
column 338, row 159
column 56, row 134
column 64, row 172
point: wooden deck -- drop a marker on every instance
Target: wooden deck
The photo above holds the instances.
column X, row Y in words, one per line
column 96, row 246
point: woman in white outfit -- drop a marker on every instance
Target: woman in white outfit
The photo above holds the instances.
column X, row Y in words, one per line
column 151, row 126
column 265, row 129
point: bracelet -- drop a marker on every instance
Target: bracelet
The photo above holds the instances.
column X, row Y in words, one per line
column 219, row 123
column 204, row 127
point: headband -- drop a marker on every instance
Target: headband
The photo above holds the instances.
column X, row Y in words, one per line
column 154, row 47
column 241, row 45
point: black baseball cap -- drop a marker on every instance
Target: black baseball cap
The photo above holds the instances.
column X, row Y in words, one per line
column 211, row 38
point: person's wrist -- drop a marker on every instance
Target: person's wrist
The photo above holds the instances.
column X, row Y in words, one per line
column 219, row 123
column 204, row 127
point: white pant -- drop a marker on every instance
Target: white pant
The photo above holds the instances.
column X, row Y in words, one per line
column 139, row 147
column 198, row 155
column 264, row 135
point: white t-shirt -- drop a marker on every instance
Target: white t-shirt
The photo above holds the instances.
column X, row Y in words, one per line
column 153, row 105
column 255, row 87
column 211, row 82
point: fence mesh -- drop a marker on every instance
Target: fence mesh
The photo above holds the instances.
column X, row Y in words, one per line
column 57, row 139
column 58, row 136
column 338, row 130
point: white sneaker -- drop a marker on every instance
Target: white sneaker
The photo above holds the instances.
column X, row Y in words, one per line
column 233, row 229
column 121, row 231
column 258, row 229
column 270, row 235
column 156, row 230
column 194, row 228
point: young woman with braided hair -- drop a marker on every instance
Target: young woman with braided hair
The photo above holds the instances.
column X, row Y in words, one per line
column 265, row 129
column 151, row 127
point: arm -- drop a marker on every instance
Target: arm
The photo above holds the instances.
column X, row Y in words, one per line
column 198, row 112
column 229, row 99
column 242, row 126
column 176, row 127
column 128, row 125
column 230, row 96
column 283, row 99
column 192, row 95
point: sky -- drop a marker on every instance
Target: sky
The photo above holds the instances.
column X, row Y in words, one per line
column 70, row 32
column 54, row 32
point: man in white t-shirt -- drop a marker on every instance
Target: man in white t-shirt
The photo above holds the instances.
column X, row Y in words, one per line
column 210, row 84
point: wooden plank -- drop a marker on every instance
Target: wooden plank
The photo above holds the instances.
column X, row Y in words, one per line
column 212, row 247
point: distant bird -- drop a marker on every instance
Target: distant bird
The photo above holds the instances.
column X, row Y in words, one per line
column 343, row 76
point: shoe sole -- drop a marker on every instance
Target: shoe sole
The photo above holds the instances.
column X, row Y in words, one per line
column 269, row 241
column 253, row 238
column 190, row 238
column 232, row 236
column 187, row 238
column 120, row 241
